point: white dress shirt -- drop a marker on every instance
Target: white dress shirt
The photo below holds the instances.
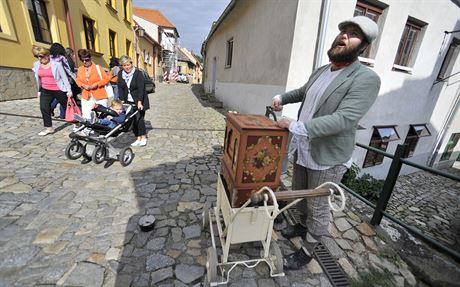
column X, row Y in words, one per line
column 300, row 141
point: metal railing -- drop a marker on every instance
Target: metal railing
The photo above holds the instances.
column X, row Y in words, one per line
column 379, row 209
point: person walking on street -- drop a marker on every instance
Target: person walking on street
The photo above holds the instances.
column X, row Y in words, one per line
column 52, row 83
column 131, row 87
column 333, row 100
column 114, row 66
column 58, row 54
column 92, row 83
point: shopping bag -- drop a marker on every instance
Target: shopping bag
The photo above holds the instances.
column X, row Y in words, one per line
column 109, row 91
column 71, row 109
column 108, row 88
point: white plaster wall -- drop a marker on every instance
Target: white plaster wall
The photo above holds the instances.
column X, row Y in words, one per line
column 247, row 98
column 262, row 40
column 150, row 28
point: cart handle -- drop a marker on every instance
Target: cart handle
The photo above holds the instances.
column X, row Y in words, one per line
column 342, row 195
column 326, row 189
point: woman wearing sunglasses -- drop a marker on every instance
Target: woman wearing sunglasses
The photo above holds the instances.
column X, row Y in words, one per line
column 91, row 78
column 52, row 83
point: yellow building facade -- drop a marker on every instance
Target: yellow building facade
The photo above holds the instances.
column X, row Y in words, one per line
column 103, row 26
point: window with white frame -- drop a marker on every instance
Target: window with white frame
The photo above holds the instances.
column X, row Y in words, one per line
column 380, row 139
column 229, row 54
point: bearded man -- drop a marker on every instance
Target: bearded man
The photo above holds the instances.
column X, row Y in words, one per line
column 334, row 99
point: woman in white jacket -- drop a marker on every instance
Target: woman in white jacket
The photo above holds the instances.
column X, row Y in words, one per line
column 52, row 83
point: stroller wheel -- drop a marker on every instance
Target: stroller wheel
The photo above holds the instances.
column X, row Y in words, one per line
column 74, row 150
column 126, row 156
column 99, row 154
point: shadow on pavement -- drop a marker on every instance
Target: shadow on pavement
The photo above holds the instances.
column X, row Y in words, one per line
column 207, row 100
column 174, row 251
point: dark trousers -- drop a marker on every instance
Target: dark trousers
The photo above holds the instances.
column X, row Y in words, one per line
column 139, row 124
column 46, row 97
column 62, row 108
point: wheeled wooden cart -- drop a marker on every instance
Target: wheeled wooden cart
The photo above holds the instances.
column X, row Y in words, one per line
column 250, row 224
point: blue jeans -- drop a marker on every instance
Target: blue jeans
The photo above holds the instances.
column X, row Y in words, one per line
column 54, row 104
column 115, row 92
column 106, row 122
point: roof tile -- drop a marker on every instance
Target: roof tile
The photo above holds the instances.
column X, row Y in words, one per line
column 154, row 16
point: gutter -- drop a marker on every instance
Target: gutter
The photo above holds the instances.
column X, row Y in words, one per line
column 323, row 19
column 217, row 23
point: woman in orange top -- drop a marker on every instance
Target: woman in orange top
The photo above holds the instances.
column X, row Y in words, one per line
column 91, row 78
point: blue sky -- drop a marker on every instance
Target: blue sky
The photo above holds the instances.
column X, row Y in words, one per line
column 192, row 18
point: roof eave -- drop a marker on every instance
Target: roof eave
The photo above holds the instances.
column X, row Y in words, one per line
column 216, row 24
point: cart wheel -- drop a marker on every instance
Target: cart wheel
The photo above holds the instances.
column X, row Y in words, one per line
column 211, row 265
column 99, row 154
column 276, row 257
column 74, row 150
column 126, row 156
column 205, row 217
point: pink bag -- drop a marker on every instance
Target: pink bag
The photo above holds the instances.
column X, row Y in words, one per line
column 71, row 109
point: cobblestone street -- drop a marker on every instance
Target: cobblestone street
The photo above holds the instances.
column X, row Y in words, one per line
column 66, row 223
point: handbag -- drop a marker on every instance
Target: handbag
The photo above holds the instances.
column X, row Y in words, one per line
column 108, row 87
column 71, row 109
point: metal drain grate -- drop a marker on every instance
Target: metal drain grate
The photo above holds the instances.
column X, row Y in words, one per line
column 322, row 255
column 330, row 266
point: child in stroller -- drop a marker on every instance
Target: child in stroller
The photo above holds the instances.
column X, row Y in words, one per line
column 113, row 116
column 104, row 123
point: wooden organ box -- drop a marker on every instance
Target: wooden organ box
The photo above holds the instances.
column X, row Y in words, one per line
column 254, row 150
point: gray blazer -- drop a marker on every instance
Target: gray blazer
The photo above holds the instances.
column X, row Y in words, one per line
column 62, row 81
column 345, row 101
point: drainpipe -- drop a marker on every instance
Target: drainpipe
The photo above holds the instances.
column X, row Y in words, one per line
column 68, row 22
column 324, row 16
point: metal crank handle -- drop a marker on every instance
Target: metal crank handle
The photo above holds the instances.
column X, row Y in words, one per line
column 269, row 111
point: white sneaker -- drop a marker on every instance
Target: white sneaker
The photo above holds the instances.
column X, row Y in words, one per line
column 93, row 117
column 46, row 132
column 143, row 142
column 136, row 143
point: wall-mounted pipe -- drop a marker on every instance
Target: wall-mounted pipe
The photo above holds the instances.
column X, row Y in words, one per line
column 324, row 17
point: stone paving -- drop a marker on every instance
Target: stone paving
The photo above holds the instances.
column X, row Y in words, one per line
column 430, row 203
column 65, row 223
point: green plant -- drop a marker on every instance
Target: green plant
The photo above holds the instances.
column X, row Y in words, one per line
column 374, row 278
column 366, row 185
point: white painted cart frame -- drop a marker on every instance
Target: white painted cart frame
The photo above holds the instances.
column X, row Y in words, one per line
column 246, row 224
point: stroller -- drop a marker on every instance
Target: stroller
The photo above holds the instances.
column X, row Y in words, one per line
column 96, row 145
